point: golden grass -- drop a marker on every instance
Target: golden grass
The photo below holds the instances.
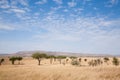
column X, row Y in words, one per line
column 31, row 71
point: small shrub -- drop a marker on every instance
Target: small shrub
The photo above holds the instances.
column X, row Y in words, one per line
column 80, row 59
column 75, row 62
column 115, row 61
column 1, row 61
column 85, row 60
column 106, row 59
column 95, row 62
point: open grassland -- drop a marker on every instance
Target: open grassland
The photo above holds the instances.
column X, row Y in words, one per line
column 29, row 70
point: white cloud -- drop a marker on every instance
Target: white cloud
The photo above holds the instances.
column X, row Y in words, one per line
column 78, row 29
column 94, row 34
column 65, row 10
column 23, row 2
column 58, row 1
column 6, row 27
column 111, row 3
column 41, row 2
column 14, row 3
column 16, row 10
column 72, row 4
column 4, row 4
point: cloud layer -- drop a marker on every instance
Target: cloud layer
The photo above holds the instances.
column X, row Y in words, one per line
column 60, row 26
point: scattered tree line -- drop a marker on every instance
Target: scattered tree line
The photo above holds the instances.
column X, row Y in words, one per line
column 40, row 56
column 74, row 60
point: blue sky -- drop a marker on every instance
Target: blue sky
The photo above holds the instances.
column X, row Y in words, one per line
column 84, row 26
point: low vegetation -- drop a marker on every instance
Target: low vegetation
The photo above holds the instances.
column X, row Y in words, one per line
column 1, row 61
column 95, row 62
column 75, row 62
column 106, row 59
column 60, row 58
column 14, row 58
column 115, row 61
column 57, row 71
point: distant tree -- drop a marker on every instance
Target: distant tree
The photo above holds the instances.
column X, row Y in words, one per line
column 13, row 59
column 85, row 60
column 75, row 62
column 73, row 57
column 67, row 60
column 115, row 61
column 91, row 63
column 106, row 59
column 95, row 62
column 60, row 57
column 19, row 59
column 99, row 62
column 39, row 56
column 51, row 58
column 1, row 61
column 80, row 59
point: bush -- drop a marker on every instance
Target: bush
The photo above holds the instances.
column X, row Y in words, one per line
column 95, row 62
column 106, row 59
column 75, row 62
column 14, row 58
column 115, row 61
column 1, row 60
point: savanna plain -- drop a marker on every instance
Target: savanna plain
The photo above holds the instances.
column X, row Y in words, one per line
column 30, row 70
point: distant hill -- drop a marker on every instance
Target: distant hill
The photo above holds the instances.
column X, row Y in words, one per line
column 29, row 53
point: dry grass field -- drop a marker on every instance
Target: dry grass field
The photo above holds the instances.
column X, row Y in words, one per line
column 29, row 70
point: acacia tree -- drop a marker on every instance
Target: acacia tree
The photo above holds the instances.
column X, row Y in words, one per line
column 106, row 59
column 51, row 58
column 115, row 61
column 39, row 56
column 1, row 61
column 13, row 59
column 19, row 59
column 85, row 60
column 73, row 57
column 79, row 59
column 60, row 57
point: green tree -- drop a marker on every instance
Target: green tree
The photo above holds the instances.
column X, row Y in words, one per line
column 73, row 57
column 39, row 56
column 13, row 59
column 51, row 57
column 106, row 59
column 19, row 59
column 115, row 61
column 60, row 58
column 75, row 62
column 1, row 61
column 79, row 59
column 85, row 60
column 95, row 62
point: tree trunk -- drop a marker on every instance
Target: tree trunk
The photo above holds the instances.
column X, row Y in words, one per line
column 19, row 62
column 39, row 61
column 55, row 59
column 51, row 60
column 60, row 61
column 12, row 62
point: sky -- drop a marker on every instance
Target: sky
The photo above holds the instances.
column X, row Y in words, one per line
column 83, row 26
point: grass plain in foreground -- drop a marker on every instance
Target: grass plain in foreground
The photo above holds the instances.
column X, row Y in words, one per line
column 31, row 71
